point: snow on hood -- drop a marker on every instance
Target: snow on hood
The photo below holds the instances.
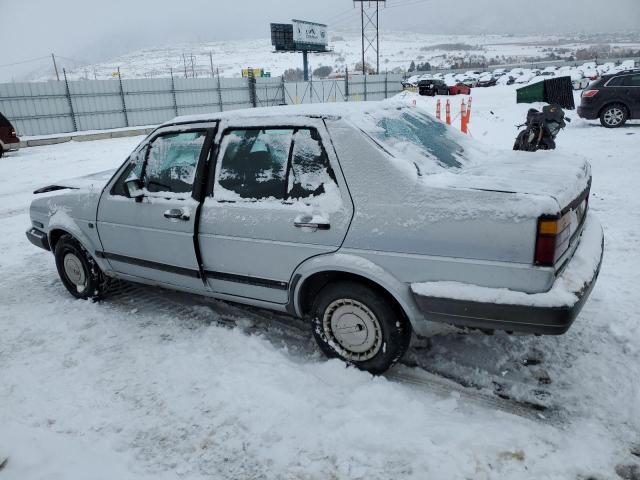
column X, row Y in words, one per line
column 87, row 182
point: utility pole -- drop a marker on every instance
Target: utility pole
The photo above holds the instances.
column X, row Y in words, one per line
column 55, row 66
column 184, row 62
column 369, row 22
column 211, row 63
column 364, row 71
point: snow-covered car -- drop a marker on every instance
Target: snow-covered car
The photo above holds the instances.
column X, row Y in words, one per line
column 369, row 220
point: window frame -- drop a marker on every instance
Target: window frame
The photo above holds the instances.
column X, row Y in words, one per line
column 219, row 154
column 196, row 189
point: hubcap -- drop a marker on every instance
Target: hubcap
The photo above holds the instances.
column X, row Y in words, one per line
column 74, row 270
column 353, row 328
column 613, row 116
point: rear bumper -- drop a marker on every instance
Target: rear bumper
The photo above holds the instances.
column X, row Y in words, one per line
column 548, row 313
column 11, row 147
column 587, row 112
column 38, row 238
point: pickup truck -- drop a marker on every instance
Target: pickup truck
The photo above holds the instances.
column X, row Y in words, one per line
column 369, row 220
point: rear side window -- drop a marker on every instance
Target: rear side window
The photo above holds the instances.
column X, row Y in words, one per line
column 619, row 81
column 254, row 164
column 277, row 164
column 635, row 80
column 311, row 173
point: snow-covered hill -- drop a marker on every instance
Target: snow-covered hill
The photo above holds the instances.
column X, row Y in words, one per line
column 397, row 51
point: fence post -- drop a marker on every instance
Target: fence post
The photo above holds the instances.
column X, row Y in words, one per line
column 124, row 105
column 346, row 84
column 284, row 93
column 386, row 88
column 173, row 92
column 220, row 104
column 73, row 114
column 253, row 97
column 365, row 87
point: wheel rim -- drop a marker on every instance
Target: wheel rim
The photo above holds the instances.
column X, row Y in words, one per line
column 353, row 329
column 74, row 271
column 613, row 116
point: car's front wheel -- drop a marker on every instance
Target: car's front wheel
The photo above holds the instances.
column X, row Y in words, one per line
column 613, row 116
column 360, row 326
column 78, row 270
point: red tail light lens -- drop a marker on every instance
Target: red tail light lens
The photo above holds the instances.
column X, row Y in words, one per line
column 589, row 93
column 552, row 239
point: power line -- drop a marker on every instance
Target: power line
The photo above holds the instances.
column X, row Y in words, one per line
column 24, row 61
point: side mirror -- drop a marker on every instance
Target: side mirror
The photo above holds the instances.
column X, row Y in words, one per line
column 133, row 187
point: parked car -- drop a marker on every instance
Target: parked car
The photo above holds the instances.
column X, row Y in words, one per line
column 488, row 81
column 613, row 99
column 460, row 89
column 9, row 141
column 347, row 216
column 432, row 87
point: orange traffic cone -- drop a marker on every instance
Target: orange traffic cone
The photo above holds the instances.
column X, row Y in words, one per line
column 438, row 109
column 463, row 117
column 448, row 112
column 469, row 111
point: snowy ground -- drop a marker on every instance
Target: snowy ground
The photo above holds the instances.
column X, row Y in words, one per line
column 148, row 384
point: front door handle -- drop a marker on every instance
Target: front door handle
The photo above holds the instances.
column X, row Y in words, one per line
column 177, row 214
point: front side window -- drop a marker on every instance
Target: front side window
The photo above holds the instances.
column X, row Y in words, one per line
column 634, row 80
column 172, row 161
column 167, row 165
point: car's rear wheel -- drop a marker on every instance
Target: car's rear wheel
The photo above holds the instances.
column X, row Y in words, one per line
column 613, row 116
column 1, row 151
column 360, row 326
column 78, row 271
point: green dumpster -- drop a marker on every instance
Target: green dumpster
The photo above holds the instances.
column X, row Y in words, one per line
column 531, row 93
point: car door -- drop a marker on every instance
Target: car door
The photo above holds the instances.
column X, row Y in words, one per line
column 276, row 198
column 633, row 91
column 152, row 236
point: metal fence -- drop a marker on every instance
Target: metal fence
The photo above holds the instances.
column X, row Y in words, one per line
column 68, row 106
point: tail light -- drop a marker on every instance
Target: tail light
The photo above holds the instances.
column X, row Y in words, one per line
column 589, row 93
column 12, row 133
column 552, row 239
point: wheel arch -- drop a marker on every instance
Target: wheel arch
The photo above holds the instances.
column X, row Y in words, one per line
column 318, row 272
column 615, row 102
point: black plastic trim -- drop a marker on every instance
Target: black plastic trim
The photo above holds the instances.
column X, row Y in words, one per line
column 255, row 281
column 38, row 238
column 188, row 272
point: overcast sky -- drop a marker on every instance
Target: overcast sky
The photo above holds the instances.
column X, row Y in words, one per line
column 95, row 30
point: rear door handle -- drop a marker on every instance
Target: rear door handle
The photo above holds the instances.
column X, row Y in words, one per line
column 314, row 225
column 177, row 214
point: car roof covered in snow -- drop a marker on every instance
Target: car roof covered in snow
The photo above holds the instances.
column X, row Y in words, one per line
column 318, row 110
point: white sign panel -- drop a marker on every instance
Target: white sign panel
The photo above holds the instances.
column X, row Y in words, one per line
column 308, row 32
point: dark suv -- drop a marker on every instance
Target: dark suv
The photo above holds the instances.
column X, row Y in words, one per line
column 613, row 99
column 9, row 141
column 432, row 87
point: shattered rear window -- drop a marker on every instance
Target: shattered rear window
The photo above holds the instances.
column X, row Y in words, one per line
column 415, row 137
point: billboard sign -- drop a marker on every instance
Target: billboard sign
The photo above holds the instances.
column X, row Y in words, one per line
column 310, row 33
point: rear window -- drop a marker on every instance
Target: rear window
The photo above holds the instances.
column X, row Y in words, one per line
column 421, row 139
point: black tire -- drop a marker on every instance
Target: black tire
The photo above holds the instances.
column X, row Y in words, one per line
column 614, row 115
column 81, row 276
column 1, row 151
column 386, row 329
